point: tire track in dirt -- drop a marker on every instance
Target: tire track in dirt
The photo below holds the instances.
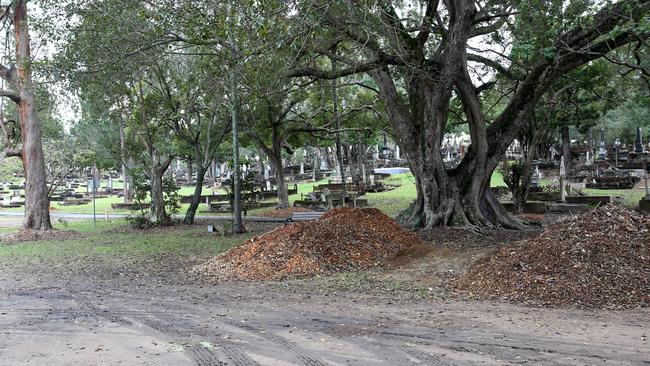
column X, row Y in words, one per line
column 297, row 351
column 202, row 356
column 428, row 359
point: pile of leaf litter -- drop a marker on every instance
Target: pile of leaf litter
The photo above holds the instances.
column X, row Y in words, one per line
column 598, row 259
column 342, row 239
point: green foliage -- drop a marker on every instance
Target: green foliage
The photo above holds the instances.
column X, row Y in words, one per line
column 512, row 171
column 171, row 197
column 248, row 189
column 9, row 167
column 142, row 187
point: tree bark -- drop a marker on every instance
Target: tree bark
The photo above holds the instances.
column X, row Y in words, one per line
column 196, row 197
column 127, row 184
column 37, row 204
column 189, row 170
column 201, row 169
column 566, row 147
column 158, row 213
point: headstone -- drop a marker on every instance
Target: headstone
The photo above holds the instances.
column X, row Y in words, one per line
column 266, row 172
column 534, row 182
column 562, row 175
column 602, row 151
column 638, row 143
column 224, row 166
column 375, row 153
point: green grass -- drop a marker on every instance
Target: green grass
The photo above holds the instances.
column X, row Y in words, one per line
column 631, row 197
column 104, row 244
column 497, row 180
column 396, row 200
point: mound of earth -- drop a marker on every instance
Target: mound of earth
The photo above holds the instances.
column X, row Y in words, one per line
column 598, row 259
column 342, row 239
column 36, row 235
column 283, row 212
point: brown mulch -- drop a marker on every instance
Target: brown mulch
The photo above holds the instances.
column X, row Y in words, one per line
column 598, row 259
column 343, row 239
column 35, row 235
column 462, row 239
column 532, row 217
column 283, row 212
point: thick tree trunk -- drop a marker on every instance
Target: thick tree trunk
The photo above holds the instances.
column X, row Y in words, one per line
column 37, row 204
column 276, row 161
column 158, row 213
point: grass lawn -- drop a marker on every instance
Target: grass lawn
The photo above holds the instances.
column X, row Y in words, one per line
column 631, row 197
column 102, row 243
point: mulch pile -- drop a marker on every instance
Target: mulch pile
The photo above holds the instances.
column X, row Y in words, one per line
column 342, row 239
column 598, row 259
column 283, row 212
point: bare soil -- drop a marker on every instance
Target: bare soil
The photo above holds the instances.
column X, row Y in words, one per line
column 145, row 312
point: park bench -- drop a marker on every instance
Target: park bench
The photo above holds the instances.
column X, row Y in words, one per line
column 305, row 216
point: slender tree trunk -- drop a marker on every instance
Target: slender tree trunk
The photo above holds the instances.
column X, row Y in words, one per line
column 201, row 170
column 189, row 170
column 566, row 147
column 337, row 124
column 126, row 179
column 213, row 172
column 276, row 161
column 37, row 204
column 196, row 197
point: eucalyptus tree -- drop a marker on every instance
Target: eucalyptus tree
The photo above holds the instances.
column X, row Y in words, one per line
column 18, row 78
column 422, row 54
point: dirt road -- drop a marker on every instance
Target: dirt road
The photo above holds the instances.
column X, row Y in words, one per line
column 141, row 315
